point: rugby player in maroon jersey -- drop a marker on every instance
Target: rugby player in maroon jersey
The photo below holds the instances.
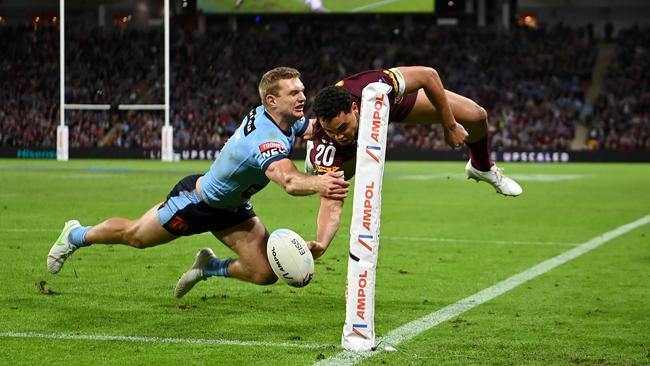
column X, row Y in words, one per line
column 417, row 96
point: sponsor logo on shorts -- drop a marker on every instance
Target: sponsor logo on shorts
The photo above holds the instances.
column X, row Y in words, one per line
column 179, row 225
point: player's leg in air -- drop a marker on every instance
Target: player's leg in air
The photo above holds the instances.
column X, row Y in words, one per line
column 162, row 223
column 248, row 240
column 474, row 118
column 141, row 233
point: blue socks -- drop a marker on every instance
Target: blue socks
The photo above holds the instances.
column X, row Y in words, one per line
column 77, row 236
column 217, row 267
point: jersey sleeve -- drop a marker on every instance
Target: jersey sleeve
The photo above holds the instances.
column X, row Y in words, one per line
column 397, row 79
column 270, row 151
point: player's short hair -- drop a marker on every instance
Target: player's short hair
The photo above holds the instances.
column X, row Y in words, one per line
column 331, row 101
column 269, row 83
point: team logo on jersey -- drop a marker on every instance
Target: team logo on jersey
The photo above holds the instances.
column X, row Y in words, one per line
column 250, row 124
column 393, row 79
column 272, row 148
column 326, row 169
column 340, row 83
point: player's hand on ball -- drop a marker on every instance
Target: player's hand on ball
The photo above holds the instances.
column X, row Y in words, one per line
column 316, row 248
column 455, row 135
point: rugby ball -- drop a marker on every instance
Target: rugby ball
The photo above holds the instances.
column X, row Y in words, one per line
column 290, row 257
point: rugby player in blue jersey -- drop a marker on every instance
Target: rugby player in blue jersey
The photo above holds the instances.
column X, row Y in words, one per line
column 218, row 201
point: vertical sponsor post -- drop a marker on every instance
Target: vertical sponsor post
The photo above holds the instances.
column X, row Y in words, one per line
column 62, row 143
column 359, row 328
column 167, row 143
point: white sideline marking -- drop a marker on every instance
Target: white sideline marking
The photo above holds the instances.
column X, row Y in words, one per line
column 414, row 328
column 81, row 337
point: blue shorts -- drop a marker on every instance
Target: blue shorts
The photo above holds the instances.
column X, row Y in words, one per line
column 184, row 213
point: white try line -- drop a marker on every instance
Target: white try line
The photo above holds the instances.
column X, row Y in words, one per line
column 219, row 342
column 411, row 330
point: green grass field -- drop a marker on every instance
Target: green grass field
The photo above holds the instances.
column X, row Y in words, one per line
column 334, row 6
column 443, row 239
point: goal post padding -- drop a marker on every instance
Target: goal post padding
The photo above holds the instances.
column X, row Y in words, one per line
column 359, row 327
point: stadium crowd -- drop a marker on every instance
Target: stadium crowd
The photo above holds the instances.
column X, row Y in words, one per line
column 531, row 82
column 621, row 115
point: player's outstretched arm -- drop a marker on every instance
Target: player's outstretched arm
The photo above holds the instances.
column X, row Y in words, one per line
column 329, row 219
column 427, row 79
column 284, row 173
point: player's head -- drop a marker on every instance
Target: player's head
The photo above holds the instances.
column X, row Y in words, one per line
column 282, row 93
column 337, row 113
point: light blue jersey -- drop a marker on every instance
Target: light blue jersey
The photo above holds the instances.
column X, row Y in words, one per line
column 238, row 172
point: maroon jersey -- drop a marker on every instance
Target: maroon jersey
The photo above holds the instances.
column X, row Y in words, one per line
column 327, row 155
column 400, row 106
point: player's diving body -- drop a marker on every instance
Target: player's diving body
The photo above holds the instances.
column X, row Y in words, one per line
column 417, row 96
column 218, row 202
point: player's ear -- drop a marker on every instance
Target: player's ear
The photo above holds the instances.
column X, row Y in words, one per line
column 355, row 107
column 270, row 100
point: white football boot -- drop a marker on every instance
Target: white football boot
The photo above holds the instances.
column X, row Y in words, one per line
column 195, row 273
column 62, row 248
column 495, row 177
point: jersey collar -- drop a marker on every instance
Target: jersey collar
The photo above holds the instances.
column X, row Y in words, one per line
column 288, row 134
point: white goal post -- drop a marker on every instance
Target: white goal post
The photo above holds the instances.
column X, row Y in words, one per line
column 62, row 131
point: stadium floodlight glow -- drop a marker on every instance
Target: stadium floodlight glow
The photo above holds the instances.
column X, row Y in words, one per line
column 359, row 328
